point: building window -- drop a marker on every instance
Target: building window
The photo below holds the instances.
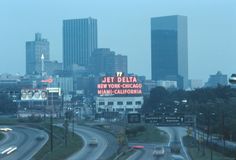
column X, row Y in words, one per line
column 101, row 110
column 110, row 103
column 101, row 103
column 129, row 103
column 119, row 103
column 138, row 109
column 129, row 109
column 138, row 103
column 120, row 109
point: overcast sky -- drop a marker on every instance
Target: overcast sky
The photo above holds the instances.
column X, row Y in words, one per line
column 123, row 26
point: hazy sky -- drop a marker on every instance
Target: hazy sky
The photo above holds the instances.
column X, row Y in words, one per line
column 123, row 26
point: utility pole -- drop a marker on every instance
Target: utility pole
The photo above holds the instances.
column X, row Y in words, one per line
column 223, row 129
column 66, row 130
column 51, row 128
column 51, row 123
column 73, row 112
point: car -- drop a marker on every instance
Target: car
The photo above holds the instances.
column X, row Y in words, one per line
column 40, row 137
column 175, row 147
column 158, row 151
column 93, row 142
column 5, row 129
column 7, row 151
column 137, row 147
column 177, row 157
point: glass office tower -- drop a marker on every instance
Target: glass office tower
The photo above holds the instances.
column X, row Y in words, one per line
column 79, row 41
column 169, row 49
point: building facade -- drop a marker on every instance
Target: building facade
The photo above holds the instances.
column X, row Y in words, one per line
column 52, row 66
column 34, row 51
column 195, row 84
column 169, row 49
column 105, row 61
column 79, row 41
column 121, row 63
column 119, row 104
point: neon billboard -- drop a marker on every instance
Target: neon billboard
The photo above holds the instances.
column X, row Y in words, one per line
column 119, row 85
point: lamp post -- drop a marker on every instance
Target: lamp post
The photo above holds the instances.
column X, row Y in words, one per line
column 212, row 114
column 209, row 132
column 203, row 137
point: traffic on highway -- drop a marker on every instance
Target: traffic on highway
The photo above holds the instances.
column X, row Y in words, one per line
column 20, row 142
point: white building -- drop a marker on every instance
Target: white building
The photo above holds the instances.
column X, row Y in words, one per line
column 167, row 84
column 195, row 83
column 118, row 104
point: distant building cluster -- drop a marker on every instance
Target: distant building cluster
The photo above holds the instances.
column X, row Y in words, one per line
column 217, row 79
column 85, row 64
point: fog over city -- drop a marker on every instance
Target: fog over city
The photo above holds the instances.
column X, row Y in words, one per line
column 124, row 27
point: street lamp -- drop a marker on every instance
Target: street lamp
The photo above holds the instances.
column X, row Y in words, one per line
column 209, row 131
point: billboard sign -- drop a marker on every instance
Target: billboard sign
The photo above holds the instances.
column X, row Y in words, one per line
column 54, row 90
column 33, row 94
column 134, row 118
column 119, row 85
column 170, row 120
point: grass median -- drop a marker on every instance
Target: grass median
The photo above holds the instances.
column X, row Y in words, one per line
column 60, row 150
column 1, row 136
column 197, row 153
column 149, row 134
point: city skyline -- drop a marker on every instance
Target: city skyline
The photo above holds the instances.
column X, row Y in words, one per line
column 211, row 31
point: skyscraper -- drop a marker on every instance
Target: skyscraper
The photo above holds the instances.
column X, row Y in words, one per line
column 79, row 41
column 169, row 49
column 34, row 51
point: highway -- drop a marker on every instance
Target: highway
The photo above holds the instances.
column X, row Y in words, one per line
column 24, row 138
column 175, row 133
column 107, row 144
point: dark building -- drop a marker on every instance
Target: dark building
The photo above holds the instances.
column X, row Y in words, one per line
column 121, row 64
column 79, row 41
column 169, row 49
column 34, row 51
column 52, row 67
column 105, row 61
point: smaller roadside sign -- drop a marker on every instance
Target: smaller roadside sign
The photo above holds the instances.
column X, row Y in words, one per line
column 134, row 118
column 170, row 120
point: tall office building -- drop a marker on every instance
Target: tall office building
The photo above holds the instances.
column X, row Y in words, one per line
column 34, row 51
column 169, row 49
column 79, row 41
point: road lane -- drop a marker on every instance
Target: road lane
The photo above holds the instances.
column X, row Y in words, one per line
column 175, row 134
column 25, row 140
column 106, row 147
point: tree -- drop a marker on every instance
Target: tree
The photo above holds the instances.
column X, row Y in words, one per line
column 6, row 104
